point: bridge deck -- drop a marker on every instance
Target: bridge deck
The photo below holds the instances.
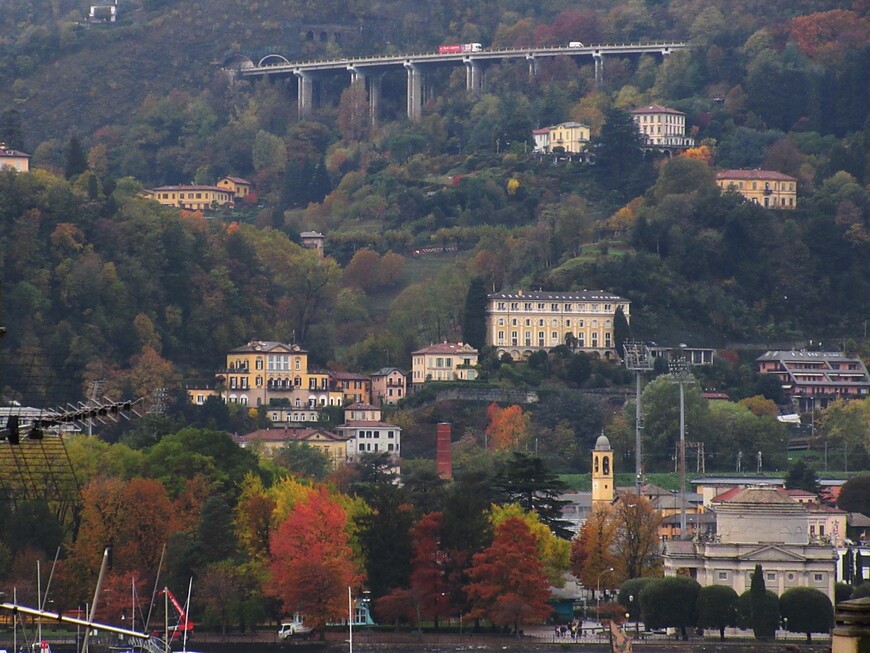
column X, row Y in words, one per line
column 392, row 61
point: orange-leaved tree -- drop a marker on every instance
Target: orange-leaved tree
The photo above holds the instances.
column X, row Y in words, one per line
column 508, row 585
column 508, row 428
column 592, row 551
column 312, row 561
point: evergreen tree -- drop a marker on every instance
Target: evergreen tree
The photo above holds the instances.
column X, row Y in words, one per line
column 321, row 184
column 621, row 331
column 76, row 161
column 474, row 314
column 11, row 132
column 525, row 480
column 765, row 615
column 802, row 477
column 848, row 563
column 619, row 160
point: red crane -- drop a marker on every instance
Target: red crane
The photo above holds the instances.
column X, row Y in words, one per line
column 184, row 623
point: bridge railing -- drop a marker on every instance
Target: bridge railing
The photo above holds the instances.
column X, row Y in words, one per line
column 586, row 49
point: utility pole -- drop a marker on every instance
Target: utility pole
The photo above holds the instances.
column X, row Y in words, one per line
column 681, row 374
column 638, row 360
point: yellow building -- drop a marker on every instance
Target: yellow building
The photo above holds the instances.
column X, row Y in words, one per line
column 263, row 370
column 572, row 137
column 662, row 127
column 270, row 441
column 602, row 474
column 193, row 198
column 520, row 323
column 238, row 186
column 445, row 361
column 766, row 188
column 14, row 159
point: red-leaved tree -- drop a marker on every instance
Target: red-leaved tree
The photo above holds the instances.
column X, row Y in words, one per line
column 508, row 584
column 312, row 561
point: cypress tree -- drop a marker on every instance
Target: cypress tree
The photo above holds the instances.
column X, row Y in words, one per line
column 76, row 161
column 764, row 604
column 621, row 331
column 474, row 314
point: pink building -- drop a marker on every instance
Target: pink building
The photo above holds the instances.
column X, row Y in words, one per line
column 813, row 379
column 389, row 385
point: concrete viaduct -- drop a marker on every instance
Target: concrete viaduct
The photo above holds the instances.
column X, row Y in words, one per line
column 370, row 70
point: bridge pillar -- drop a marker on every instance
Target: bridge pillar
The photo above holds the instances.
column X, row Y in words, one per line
column 533, row 65
column 372, row 84
column 599, row 68
column 415, row 91
column 474, row 76
column 375, row 86
column 304, row 95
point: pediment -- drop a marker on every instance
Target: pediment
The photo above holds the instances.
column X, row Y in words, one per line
column 772, row 553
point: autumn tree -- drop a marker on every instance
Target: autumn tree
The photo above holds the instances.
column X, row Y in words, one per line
column 592, row 550
column 427, row 596
column 508, row 428
column 554, row 551
column 507, row 581
column 312, row 561
column 636, row 545
column 354, row 115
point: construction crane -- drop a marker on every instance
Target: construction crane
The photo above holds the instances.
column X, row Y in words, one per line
column 184, row 625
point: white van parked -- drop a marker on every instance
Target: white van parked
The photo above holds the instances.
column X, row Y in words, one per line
column 575, row 44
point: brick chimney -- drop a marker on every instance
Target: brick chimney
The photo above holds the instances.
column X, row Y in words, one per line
column 444, row 454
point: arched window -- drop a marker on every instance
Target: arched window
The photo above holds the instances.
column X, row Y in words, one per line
column 596, row 464
column 605, row 464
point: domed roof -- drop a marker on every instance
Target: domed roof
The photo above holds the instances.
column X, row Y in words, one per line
column 602, row 442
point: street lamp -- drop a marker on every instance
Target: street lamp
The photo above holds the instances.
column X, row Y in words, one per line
column 598, row 590
column 634, row 610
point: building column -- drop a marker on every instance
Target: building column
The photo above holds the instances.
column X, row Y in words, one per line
column 304, row 94
column 474, row 77
column 415, row 91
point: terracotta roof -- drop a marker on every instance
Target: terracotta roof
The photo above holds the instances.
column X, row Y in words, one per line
column 657, row 108
column 762, row 495
column 238, row 180
column 762, row 175
column 349, row 376
column 544, row 130
column 726, row 496
column 289, row 435
column 447, row 348
column 192, row 187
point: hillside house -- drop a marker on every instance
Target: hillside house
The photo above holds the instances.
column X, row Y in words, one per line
column 766, row 188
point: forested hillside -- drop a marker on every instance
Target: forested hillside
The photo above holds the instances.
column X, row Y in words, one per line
column 101, row 283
